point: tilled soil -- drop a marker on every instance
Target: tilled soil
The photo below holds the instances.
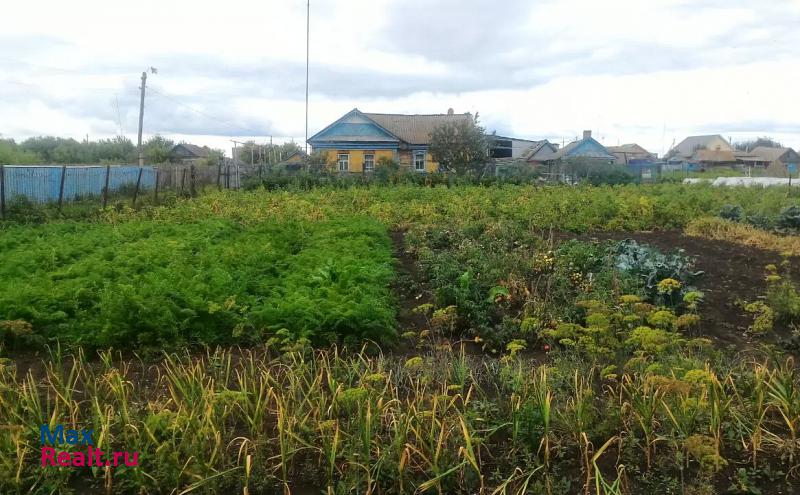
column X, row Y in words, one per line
column 732, row 273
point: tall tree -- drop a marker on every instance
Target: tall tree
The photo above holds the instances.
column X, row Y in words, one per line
column 158, row 149
column 460, row 147
column 764, row 141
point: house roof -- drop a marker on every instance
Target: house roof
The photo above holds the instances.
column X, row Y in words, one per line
column 688, row 146
column 718, row 156
column 354, row 127
column 415, row 129
column 302, row 154
column 768, row 154
column 628, row 148
column 192, row 150
column 599, row 150
column 540, row 151
column 508, row 138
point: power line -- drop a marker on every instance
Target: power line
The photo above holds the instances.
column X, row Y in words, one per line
column 248, row 132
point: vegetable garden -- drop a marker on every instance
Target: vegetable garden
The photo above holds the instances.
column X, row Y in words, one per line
column 504, row 339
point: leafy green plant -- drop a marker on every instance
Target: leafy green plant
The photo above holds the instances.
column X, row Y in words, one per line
column 734, row 213
column 789, row 218
column 653, row 267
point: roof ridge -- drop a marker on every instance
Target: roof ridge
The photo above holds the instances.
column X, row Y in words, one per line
column 418, row 114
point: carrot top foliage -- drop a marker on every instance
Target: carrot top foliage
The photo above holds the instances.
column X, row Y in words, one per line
column 150, row 284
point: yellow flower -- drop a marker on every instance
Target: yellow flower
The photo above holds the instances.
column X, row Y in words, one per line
column 668, row 286
column 414, row 363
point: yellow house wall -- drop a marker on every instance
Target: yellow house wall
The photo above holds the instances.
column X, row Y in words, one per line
column 430, row 165
column 406, row 160
column 356, row 158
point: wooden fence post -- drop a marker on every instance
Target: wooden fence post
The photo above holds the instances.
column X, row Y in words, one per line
column 158, row 176
column 138, row 184
column 219, row 176
column 183, row 179
column 61, row 187
column 192, row 179
column 105, row 188
column 2, row 191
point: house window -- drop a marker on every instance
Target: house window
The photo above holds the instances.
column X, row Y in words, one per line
column 344, row 162
column 419, row 161
column 369, row 162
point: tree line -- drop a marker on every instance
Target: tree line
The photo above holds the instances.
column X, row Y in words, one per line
column 57, row 150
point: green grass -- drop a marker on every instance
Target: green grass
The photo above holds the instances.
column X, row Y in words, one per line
column 161, row 284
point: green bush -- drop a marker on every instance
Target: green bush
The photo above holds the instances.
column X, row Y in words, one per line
column 610, row 175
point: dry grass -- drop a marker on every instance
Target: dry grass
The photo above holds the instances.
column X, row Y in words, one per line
column 724, row 230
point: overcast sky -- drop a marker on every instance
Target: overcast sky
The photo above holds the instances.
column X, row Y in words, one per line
column 640, row 71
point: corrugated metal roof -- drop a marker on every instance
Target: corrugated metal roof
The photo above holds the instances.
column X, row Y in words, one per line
column 628, row 148
column 567, row 150
column 719, row 156
column 768, row 154
column 415, row 129
column 688, row 146
column 541, row 151
column 197, row 151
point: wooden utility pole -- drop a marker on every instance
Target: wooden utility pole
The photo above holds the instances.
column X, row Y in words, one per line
column 141, row 120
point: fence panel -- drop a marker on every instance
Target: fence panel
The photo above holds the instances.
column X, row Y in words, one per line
column 42, row 183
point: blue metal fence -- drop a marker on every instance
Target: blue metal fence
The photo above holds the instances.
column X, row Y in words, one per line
column 42, row 183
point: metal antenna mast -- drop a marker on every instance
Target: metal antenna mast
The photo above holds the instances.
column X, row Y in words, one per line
column 308, row 39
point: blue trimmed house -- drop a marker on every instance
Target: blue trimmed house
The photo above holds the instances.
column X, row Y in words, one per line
column 587, row 148
column 356, row 142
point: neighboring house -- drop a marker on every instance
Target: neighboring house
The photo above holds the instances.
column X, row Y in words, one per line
column 507, row 147
column 190, row 153
column 587, row 148
column 703, row 151
column 295, row 160
column 714, row 158
column 779, row 162
column 628, row 153
column 536, row 153
column 358, row 140
column 541, row 152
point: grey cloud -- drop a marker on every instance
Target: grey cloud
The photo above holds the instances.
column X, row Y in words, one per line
column 485, row 47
